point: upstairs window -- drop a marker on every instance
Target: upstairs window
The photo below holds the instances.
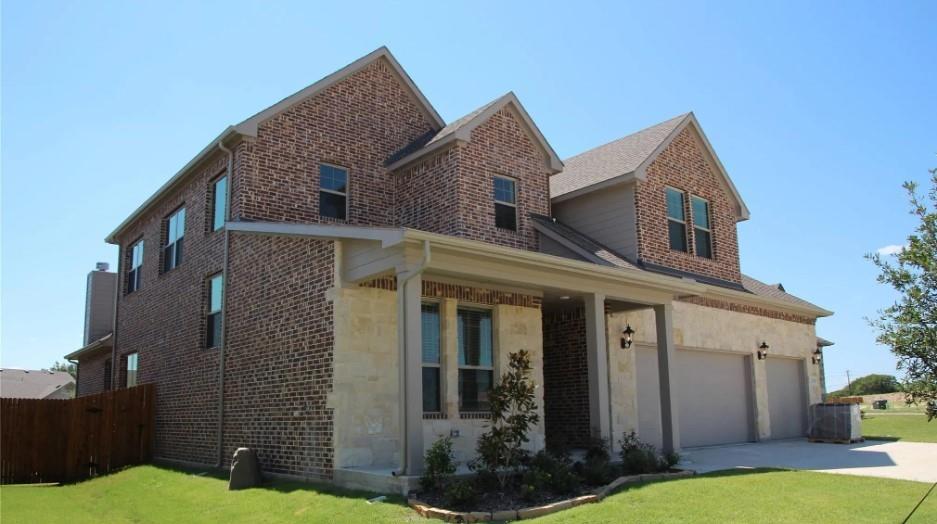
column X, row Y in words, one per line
column 505, row 203
column 131, row 370
column 219, row 211
column 175, row 230
column 136, row 265
column 432, row 392
column 702, row 232
column 676, row 220
column 214, row 318
column 333, row 192
column 476, row 370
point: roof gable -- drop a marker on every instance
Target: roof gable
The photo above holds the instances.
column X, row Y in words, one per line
column 461, row 130
column 628, row 158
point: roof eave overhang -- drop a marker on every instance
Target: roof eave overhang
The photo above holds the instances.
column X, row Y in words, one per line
column 767, row 302
column 101, row 343
column 228, row 136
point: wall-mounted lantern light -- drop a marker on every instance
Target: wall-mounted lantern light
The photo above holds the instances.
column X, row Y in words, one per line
column 763, row 351
column 817, row 356
column 627, row 337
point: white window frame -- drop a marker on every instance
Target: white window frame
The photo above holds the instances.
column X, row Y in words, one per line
column 686, row 231
column 346, row 194
column 438, row 365
column 709, row 218
column 134, row 359
column 214, row 203
column 494, row 356
column 502, row 202
column 134, row 273
column 219, row 311
column 168, row 219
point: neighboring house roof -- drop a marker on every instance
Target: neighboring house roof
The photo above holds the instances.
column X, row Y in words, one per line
column 822, row 342
column 249, row 126
column 22, row 383
column 461, row 130
column 627, row 159
column 593, row 251
column 102, row 343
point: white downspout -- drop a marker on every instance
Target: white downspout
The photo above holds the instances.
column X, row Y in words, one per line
column 402, row 279
column 224, row 303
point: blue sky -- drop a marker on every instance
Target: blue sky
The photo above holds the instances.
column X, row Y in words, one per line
column 819, row 110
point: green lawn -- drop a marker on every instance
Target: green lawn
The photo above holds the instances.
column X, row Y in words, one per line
column 911, row 428
column 152, row 494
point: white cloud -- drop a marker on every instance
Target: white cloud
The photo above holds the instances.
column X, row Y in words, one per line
column 893, row 249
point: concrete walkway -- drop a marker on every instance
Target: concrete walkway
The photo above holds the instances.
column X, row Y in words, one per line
column 872, row 458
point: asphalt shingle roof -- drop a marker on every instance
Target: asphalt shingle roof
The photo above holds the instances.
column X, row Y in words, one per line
column 21, row 383
column 611, row 160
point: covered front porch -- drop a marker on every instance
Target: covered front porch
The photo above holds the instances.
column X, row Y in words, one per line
column 383, row 280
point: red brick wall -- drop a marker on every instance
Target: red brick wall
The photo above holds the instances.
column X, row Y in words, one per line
column 278, row 360
column 163, row 322
column 91, row 377
column 565, row 378
column 356, row 124
column 501, row 146
column 428, row 194
column 683, row 165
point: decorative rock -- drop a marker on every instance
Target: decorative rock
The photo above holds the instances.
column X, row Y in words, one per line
column 245, row 471
column 477, row 516
column 539, row 511
column 584, row 499
column 509, row 514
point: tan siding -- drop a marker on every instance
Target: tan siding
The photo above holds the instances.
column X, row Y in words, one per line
column 607, row 216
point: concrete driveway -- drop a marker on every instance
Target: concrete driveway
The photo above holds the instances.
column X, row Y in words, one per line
column 872, row 458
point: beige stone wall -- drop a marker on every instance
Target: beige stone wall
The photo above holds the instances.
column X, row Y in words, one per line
column 700, row 327
column 365, row 393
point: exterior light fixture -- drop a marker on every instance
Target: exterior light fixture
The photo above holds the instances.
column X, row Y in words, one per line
column 564, row 297
column 763, row 350
column 626, row 337
column 817, row 356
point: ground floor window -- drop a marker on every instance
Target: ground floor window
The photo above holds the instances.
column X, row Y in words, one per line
column 131, row 370
column 432, row 391
column 476, row 369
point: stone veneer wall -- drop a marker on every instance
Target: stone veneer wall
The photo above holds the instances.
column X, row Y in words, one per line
column 566, row 378
column 365, row 396
column 701, row 327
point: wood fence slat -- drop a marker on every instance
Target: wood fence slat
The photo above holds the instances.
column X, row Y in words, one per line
column 69, row 440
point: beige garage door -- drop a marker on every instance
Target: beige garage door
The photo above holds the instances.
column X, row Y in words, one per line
column 787, row 402
column 714, row 398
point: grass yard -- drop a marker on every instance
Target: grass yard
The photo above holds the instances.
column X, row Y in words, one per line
column 152, row 494
column 908, row 427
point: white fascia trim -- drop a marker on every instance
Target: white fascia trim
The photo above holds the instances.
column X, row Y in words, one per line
column 626, row 178
column 225, row 136
column 758, row 300
column 386, row 236
column 545, row 261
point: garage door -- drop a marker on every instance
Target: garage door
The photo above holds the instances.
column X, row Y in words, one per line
column 787, row 403
column 648, row 396
column 713, row 398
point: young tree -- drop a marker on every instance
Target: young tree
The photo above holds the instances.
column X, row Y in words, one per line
column 68, row 367
column 909, row 326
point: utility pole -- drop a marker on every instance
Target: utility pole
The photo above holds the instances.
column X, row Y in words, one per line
column 848, row 383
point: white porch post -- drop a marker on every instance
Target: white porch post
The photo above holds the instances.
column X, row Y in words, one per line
column 409, row 291
column 597, row 360
column 670, row 428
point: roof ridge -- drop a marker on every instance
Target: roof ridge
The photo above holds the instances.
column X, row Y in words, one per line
column 619, row 139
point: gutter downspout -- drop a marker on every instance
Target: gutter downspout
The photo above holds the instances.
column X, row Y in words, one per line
column 402, row 279
column 224, row 304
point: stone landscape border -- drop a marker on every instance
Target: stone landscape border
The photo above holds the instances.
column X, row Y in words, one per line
column 425, row 510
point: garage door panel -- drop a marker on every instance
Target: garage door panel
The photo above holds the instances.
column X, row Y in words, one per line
column 713, row 398
column 787, row 403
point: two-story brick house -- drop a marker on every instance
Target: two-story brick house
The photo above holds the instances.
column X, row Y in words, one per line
column 337, row 280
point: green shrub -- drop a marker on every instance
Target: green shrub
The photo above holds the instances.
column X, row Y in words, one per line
column 533, row 481
column 638, row 457
column 439, row 466
column 557, row 474
column 461, row 494
column 671, row 459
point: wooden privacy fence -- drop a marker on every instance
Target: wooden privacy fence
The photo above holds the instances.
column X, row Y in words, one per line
column 68, row 440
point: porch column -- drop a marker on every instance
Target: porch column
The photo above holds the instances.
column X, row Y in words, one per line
column 670, row 428
column 597, row 360
column 409, row 334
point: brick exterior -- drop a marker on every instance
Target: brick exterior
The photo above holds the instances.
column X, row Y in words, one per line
column 355, row 124
column 91, row 375
column 467, row 294
column 278, row 359
column 683, row 165
column 566, row 378
column 452, row 192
